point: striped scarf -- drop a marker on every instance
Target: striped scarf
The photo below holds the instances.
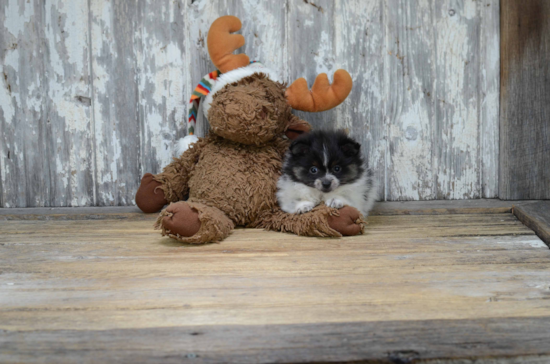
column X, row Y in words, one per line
column 203, row 88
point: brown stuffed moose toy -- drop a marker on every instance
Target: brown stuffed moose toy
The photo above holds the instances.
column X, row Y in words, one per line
column 230, row 176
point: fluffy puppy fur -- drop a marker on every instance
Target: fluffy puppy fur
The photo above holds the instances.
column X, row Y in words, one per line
column 325, row 166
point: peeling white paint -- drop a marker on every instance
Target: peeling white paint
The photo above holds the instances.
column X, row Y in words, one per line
column 363, row 111
column 23, row 11
column 457, row 101
column 7, row 107
column 68, row 85
column 163, row 86
column 411, row 161
column 11, row 60
column 264, row 32
column 324, row 56
column 424, row 103
column 489, row 94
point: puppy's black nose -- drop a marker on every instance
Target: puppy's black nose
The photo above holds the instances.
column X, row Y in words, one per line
column 326, row 183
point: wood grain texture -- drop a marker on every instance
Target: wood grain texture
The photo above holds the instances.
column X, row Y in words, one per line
column 489, row 341
column 456, row 150
column 410, row 72
column 442, row 207
column 114, row 26
column 68, row 140
column 163, row 80
column 434, row 119
column 535, row 216
column 47, row 148
column 95, row 93
column 138, row 58
column 312, row 50
column 489, row 92
column 25, row 163
column 46, row 128
column 437, row 207
column 359, row 27
column 524, row 95
column 435, row 287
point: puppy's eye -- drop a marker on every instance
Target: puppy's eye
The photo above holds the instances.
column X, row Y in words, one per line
column 313, row 170
column 337, row 169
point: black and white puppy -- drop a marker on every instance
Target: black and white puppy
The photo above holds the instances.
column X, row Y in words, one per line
column 325, row 166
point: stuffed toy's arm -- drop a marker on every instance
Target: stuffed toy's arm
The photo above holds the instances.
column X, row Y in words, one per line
column 171, row 185
column 175, row 176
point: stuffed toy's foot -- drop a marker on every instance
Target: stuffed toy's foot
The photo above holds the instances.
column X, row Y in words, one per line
column 192, row 222
column 150, row 197
column 348, row 222
column 180, row 219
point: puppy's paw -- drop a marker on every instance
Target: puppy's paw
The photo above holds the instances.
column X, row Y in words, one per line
column 335, row 202
column 303, row 207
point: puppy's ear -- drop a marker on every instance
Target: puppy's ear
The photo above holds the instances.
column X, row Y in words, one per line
column 299, row 148
column 350, row 148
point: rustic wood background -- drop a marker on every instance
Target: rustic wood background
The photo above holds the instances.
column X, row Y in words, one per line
column 93, row 93
column 525, row 100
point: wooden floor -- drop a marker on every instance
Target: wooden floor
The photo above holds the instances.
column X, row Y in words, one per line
column 415, row 287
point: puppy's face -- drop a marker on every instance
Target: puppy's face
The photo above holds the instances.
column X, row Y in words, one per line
column 324, row 160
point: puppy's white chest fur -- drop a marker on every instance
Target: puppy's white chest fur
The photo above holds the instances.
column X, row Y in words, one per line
column 296, row 197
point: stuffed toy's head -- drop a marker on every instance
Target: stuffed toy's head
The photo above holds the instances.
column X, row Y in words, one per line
column 252, row 110
column 246, row 102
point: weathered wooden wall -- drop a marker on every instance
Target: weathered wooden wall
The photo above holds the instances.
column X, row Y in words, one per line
column 525, row 100
column 94, row 93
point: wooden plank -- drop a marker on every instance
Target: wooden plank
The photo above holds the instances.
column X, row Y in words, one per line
column 410, row 72
column 69, row 136
column 132, row 277
column 263, row 29
column 490, row 341
column 140, row 63
column 114, row 25
column 75, row 213
column 380, row 229
column 433, row 67
column 437, row 207
column 489, row 85
column 312, row 49
column 23, row 98
column 455, row 139
column 413, row 287
column 442, row 207
column 410, row 227
column 535, row 216
column 47, row 147
column 359, row 49
column 163, row 80
column 524, row 95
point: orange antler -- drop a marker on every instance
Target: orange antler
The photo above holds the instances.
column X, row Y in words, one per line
column 323, row 96
column 221, row 44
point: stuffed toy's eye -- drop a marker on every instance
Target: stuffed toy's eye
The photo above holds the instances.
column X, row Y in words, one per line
column 313, row 170
column 337, row 169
